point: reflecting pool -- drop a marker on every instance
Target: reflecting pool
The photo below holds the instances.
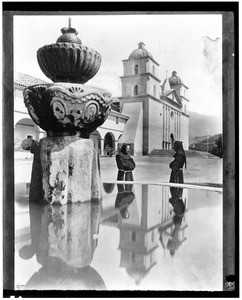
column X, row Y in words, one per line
column 140, row 237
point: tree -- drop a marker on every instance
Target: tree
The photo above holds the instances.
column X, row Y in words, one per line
column 218, row 149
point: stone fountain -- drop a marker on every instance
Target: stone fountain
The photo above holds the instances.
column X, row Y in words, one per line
column 68, row 111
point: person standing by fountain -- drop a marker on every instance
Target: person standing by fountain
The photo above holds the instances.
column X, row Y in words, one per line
column 177, row 164
column 125, row 164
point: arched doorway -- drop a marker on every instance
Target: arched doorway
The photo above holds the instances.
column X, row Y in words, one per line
column 25, row 128
column 109, row 142
column 136, row 90
column 96, row 138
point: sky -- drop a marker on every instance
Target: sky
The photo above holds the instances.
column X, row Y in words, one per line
column 188, row 44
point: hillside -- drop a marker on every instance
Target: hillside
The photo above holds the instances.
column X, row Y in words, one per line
column 205, row 145
column 202, row 126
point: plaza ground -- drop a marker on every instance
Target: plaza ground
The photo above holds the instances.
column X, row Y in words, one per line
column 201, row 169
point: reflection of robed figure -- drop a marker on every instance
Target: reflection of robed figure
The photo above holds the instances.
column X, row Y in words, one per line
column 125, row 164
column 174, row 241
column 172, row 238
column 124, row 198
column 63, row 239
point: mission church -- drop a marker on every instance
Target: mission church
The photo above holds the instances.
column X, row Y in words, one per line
column 155, row 110
column 145, row 116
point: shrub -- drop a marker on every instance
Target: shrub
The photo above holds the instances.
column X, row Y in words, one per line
column 218, row 149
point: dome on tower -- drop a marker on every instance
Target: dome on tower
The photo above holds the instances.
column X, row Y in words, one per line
column 140, row 52
column 174, row 79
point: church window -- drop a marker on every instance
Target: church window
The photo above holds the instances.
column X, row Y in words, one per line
column 136, row 68
column 153, row 70
column 30, row 136
column 133, row 257
column 172, row 114
column 117, row 120
column 136, row 90
column 154, row 91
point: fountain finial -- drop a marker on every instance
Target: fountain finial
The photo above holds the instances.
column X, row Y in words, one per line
column 68, row 60
column 69, row 35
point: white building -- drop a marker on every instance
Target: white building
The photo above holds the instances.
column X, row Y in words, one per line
column 107, row 134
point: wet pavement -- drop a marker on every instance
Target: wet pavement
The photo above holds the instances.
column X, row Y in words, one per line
column 139, row 237
column 200, row 169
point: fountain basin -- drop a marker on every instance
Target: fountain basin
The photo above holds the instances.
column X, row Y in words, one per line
column 67, row 109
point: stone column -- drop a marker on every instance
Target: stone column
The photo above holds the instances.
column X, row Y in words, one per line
column 178, row 133
column 169, row 128
column 179, row 126
column 102, row 147
column 165, row 126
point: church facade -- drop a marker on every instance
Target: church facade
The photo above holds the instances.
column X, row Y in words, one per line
column 157, row 110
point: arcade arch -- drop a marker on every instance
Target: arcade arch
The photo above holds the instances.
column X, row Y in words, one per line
column 109, row 141
column 25, row 128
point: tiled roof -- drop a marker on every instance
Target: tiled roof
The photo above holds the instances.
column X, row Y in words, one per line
column 26, row 80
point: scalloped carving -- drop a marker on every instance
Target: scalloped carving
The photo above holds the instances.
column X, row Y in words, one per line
column 75, row 90
column 68, row 62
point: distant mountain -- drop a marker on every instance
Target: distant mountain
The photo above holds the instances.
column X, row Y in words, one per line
column 201, row 127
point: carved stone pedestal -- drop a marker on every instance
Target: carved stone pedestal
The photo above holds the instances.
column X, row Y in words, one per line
column 69, row 112
column 70, row 170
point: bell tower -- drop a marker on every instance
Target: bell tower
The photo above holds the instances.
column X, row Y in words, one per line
column 140, row 97
column 140, row 74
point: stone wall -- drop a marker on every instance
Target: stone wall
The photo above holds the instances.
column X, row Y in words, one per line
column 155, row 125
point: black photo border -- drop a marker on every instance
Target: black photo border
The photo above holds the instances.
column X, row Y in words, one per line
column 229, row 11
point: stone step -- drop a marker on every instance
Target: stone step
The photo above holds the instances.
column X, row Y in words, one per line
column 161, row 152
